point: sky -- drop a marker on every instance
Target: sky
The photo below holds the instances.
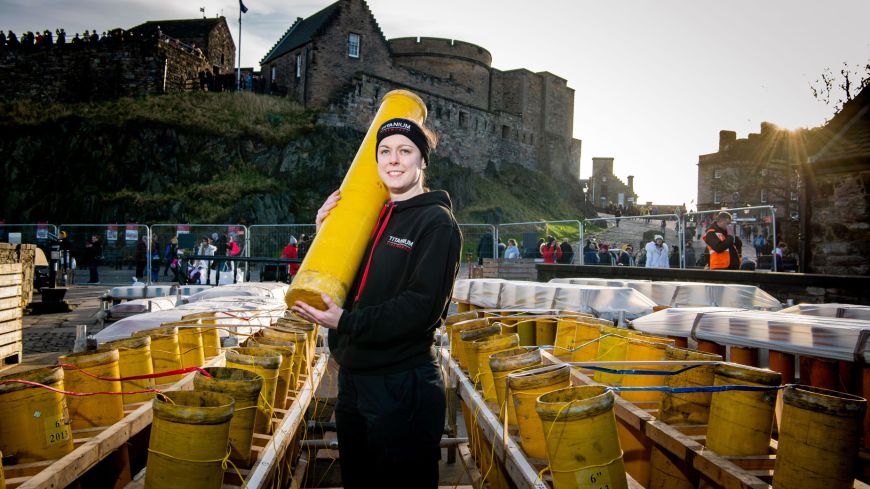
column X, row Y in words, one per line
column 654, row 81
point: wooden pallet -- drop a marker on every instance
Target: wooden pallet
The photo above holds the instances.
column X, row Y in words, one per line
column 114, row 456
column 683, row 444
column 11, row 346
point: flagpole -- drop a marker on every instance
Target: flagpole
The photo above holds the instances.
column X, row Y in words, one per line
column 239, row 69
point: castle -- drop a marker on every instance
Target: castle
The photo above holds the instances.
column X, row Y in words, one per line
column 338, row 60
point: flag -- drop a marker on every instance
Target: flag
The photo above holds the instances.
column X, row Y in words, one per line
column 242, row 7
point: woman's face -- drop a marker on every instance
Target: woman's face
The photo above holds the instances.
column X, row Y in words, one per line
column 400, row 167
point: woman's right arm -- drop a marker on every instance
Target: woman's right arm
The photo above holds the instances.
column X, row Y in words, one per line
column 327, row 206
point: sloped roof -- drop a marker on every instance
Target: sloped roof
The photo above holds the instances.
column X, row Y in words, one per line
column 301, row 32
column 849, row 132
column 179, row 28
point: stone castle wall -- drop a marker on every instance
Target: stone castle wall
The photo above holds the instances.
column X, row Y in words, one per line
column 97, row 71
column 839, row 223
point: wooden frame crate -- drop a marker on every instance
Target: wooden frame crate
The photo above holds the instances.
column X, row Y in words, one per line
column 682, row 444
column 11, row 346
column 110, row 456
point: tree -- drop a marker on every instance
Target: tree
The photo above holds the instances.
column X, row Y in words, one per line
column 841, row 87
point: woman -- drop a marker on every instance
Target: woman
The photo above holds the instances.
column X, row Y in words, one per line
column 550, row 250
column 512, row 251
column 391, row 406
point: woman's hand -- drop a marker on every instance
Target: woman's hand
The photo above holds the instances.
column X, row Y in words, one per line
column 327, row 206
column 328, row 318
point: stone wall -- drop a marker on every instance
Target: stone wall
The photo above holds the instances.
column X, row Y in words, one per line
column 840, row 223
column 221, row 49
column 97, row 71
column 480, row 138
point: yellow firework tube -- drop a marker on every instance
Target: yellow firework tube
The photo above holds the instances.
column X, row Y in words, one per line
column 337, row 251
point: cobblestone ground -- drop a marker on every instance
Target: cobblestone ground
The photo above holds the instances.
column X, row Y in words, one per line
column 44, row 333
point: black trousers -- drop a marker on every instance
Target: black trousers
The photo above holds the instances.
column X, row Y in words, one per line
column 389, row 427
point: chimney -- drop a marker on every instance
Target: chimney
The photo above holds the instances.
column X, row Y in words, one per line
column 767, row 128
column 726, row 138
column 631, row 182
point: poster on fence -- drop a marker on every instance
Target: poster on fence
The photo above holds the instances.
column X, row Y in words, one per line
column 112, row 232
column 14, row 238
column 131, row 233
column 182, row 229
column 42, row 230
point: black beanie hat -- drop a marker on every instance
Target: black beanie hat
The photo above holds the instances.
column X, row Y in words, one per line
column 408, row 129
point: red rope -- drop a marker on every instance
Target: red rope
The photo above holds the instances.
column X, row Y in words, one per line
column 139, row 377
column 76, row 394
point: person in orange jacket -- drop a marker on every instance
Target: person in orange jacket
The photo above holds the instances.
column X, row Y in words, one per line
column 723, row 248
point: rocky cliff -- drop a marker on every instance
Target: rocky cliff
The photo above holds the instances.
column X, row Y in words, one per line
column 210, row 158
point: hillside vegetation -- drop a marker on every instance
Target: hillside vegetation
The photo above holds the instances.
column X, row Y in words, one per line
column 218, row 158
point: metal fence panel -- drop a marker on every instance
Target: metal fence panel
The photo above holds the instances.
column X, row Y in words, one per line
column 269, row 240
column 530, row 235
column 218, row 233
column 756, row 228
column 37, row 234
column 621, row 241
column 118, row 262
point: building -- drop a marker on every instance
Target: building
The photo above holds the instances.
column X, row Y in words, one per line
column 761, row 169
column 212, row 36
column 339, row 60
column 835, row 195
column 604, row 189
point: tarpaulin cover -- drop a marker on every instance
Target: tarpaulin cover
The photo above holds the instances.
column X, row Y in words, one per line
column 275, row 290
column 831, row 338
column 605, row 302
column 676, row 321
column 139, row 306
column 849, row 311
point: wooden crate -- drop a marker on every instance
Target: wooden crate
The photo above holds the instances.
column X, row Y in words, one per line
column 25, row 255
column 11, row 346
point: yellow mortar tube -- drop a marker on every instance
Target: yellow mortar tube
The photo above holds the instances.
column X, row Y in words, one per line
column 286, row 373
column 611, row 349
column 93, row 411
column 165, row 352
column 266, row 364
column 189, row 437
column 525, row 387
column 483, row 349
column 34, row 425
column 740, row 422
column 689, row 408
column 818, row 439
column 503, row 363
column 134, row 359
column 458, row 327
column 584, row 333
column 466, row 342
column 639, row 350
column 545, row 331
column 300, row 355
column 244, row 387
column 337, row 251
column 580, row 431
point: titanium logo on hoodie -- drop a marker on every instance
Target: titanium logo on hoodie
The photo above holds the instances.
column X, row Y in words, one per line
column 401, row 243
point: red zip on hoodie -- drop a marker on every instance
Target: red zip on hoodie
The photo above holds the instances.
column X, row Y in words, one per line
column 379, row 227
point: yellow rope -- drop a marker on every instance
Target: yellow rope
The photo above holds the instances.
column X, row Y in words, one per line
column 225, row 461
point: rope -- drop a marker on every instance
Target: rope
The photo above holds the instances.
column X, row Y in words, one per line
column 76, row 394
column 225, row 461
column 155, row 375
column 641, row 371
column 712, row 388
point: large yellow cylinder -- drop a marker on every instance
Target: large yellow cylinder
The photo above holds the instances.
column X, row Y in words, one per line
column 165, row 351
column 189, row 436
column 456, row 349
column 485, row 347
column 244, row 387
column 300, row 354
column 503, row 363
column 211, row 341
column 526, row 330
column 34, row 424
column 463, row 307
column 582, row 444
column 134, row 359
column 459, row 317
column 818, row 439
column 611, row 349
column 584, row 334
column 466, row 341
column 93, row 411
column 566, row 337
column 286, row 373
column 644, row 351
column 740, row 422
column 545, row 331
column 190, row 344
column 337, row 251
column 689, row 408
column 310, row 330
column 264, row 363
column 525, row 387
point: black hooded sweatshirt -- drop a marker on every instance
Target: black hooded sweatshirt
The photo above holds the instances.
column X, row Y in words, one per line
column 402, row 290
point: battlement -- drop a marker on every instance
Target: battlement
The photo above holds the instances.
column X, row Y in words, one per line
column 434, row 46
